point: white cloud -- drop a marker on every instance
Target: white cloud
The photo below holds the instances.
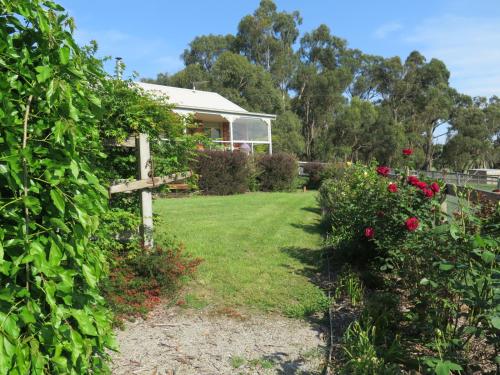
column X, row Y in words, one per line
column 388, row 28
column 469, row 46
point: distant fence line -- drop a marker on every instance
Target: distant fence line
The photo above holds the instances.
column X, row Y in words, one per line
column 461, row 179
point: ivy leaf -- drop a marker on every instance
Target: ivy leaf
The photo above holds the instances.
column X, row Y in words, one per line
column 26, row 315
column 58, row 200
column 446, row 266
column 74, row 168
column 445, row 367
column 495, row 322
column 44, row 73
column 85, row 322
column 9, row 325
column 64, row 55
column 487, row 256
column 89, row 276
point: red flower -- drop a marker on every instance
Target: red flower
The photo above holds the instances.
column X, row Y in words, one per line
column 428, row 193
column 369, row 232
column 412, row 224
column 383, row 170
column 407, row 151
column 421, row 185
column 412, row 180
column 435, row 187
column 380, row 213
column 393, row 188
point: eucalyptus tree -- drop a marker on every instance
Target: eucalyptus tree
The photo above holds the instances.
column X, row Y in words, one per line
column 319, row 84
column 204, row 50
column 266, row 38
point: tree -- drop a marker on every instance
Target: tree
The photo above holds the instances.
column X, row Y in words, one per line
column 266, row 38
column 319, row 85
column 287, row 134
column 248, row 85
column 474, row 127
column 204, row 50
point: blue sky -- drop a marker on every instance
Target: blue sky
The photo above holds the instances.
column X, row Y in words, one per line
column 151, row 34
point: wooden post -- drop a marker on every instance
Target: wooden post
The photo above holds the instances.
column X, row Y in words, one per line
column 144, row 171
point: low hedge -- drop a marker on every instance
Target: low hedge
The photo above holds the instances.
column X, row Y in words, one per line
column 315, row 172
column 277, row 172
column 222, row 173
column 226, row 173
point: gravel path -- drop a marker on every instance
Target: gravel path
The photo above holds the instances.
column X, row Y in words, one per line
column 184, row 342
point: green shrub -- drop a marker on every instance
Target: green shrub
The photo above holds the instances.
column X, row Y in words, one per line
column 315, row 171
column 443, row 270
column 140, row 279
column 222, row 172
column 52, row 317
column 277, row 172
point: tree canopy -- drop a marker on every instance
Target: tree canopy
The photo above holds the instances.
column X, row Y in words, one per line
column 339, row 103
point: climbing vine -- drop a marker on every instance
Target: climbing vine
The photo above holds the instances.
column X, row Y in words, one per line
column 52, row 319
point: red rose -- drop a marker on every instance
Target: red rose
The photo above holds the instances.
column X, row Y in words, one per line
column 412, row 224
column 369, row 232
column 421, row 185
column 435, row 187
column 428, row 193
column 412, row 180
column 383, row 170
column 393, row 188
column 407, row 151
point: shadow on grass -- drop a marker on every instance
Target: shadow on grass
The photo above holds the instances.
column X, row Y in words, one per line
column 314, row 210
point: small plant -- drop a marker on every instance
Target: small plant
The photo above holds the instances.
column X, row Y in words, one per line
column 361, row 352
column 138, row 282
column 349, row 284
column 237, row 361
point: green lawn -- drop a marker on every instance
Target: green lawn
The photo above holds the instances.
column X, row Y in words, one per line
column 260, row 250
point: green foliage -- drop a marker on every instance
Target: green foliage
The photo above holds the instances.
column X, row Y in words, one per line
column 329, row 97
column 287, row 134
column 52, row 317
column 360, row 349
column 277, row 172
column 139, row 279
column 315, row 172
column 444, row 271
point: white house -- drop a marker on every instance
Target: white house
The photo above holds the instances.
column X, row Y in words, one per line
column 220, row 119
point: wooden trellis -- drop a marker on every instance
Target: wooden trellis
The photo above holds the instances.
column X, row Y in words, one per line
column 145, row 182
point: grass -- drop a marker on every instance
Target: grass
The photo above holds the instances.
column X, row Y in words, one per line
column 260, row 250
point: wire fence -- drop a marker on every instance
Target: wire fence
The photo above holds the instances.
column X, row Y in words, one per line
column 481, row 181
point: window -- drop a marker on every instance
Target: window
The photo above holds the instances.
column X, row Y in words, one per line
column 213, row 130
column 250, row 129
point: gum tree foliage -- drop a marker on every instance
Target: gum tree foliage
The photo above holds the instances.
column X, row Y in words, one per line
column 317, row 77
column 475, row 125
column 52, row 318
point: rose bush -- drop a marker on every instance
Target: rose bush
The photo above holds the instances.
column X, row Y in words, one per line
column 443, row 270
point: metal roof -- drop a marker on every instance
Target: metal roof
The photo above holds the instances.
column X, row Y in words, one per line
column 199, row 101
column 187, row 98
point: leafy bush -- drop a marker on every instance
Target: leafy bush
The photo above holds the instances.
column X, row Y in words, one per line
column 139, row 280
column 222, row 172
column 277, row 172
column 315, row 171
column 443, row 270
column 52, row 318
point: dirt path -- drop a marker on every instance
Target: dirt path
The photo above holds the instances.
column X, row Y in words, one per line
column 184, row 342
